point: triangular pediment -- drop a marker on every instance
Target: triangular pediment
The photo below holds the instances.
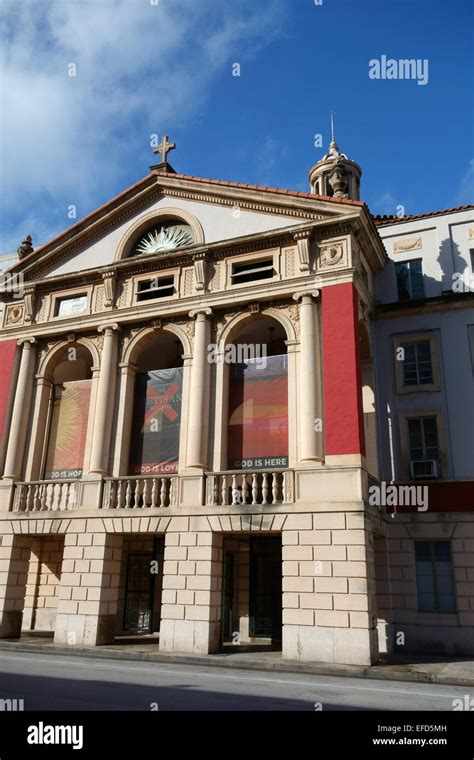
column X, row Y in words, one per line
column 217, row 211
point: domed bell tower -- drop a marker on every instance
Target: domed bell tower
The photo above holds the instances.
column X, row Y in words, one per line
column 335, row 175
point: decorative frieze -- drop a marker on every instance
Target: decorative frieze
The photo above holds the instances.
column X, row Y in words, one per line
column 126, row 337
column 186, row 324
column 215, row 275
column 98, row 299
column 289, row 262
column 188, row 281
column 407, row 244
column 333, row 254
column 122, row 300
column 221, row 322
column 42, row 310
column 14, row 314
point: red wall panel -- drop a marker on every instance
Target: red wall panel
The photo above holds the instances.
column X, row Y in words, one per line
column 7, row 358
column 344, row 419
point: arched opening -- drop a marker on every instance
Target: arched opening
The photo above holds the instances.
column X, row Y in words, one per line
column 68, row 413
column 155, row 435
column 258, row 395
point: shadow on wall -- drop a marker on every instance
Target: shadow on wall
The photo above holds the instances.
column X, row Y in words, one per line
column 455, row 271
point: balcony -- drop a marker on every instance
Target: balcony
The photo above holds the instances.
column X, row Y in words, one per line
column 216, row 489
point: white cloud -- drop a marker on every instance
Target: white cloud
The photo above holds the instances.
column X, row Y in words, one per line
column 140, row 69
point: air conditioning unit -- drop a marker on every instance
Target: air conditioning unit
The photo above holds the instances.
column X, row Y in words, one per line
column 423, row 469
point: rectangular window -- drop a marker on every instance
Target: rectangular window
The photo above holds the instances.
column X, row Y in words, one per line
column 471, row 252
column 251, row 271
column 434, row 576
column 423, row 447
column 159, row 287
column 410, row 280
column 417, row 363
column 66, row 306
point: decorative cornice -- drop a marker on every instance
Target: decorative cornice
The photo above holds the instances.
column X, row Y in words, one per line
column 262, row 207
column 89, row 236
column 114, row 218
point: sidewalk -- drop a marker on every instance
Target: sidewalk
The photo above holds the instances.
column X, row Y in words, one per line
column 418, row 668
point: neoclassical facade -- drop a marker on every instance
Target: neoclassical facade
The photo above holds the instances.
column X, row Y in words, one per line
column 190, row 424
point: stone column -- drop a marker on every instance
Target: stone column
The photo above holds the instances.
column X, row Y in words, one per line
column 198, row 426
column 221, row 416
column 21, row 411
column 105, row 401
column 308, row 378
column 123, row 429
column 39, row 428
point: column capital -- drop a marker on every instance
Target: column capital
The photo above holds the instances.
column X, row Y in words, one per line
column 44, row 379
column 127, row 367
column 305, row 294
column 25, row 341
column 206, row 311
column 108, row 326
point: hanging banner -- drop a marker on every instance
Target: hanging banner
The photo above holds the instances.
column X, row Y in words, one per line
column 258, row 414
column 156, row 422
column 68, row 430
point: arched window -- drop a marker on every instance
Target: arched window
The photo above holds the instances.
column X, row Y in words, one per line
column 162, row 236
column 157, row 407
column 68, row 413
column 258, row 396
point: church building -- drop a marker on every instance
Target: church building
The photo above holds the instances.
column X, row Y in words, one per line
column 240, row 416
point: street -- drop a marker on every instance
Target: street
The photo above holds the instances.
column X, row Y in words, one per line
column 49, row 682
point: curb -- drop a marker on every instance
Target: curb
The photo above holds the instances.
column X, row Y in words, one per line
column 376, row 672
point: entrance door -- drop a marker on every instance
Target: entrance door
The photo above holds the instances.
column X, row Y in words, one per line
column 265, row 601
column 139, row 593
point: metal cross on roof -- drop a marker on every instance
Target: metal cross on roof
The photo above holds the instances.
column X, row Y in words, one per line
column 164, row 148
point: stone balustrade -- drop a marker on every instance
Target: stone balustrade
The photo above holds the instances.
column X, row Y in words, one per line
column 229, row 488
column 140, row 492
column 249, row 488
column 46, row 496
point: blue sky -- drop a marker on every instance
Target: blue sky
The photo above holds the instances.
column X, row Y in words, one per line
column 144, row 68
